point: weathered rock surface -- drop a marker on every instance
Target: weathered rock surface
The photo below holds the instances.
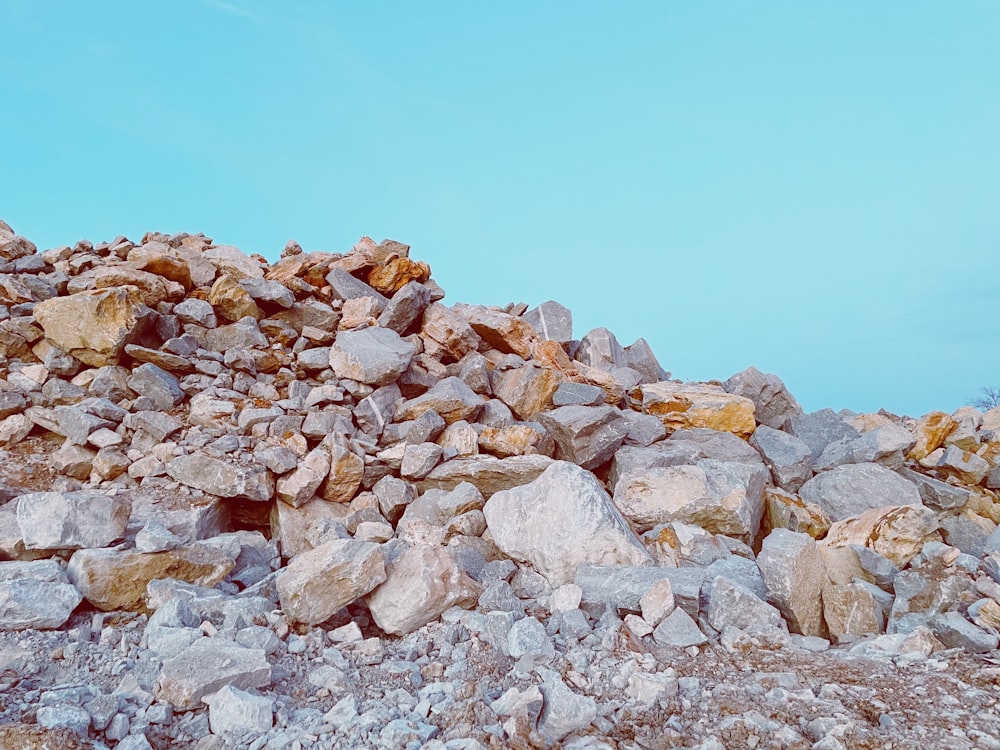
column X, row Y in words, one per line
column 376, row 356
column 856, row 488
column 71, row 520
column 35, row 595
column 795, row 574
column 205, row 667
column 681, row 405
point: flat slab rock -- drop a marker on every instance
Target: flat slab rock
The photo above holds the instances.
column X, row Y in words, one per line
column 208, row 665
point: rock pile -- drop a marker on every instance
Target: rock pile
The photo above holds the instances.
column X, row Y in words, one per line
column 319, row 505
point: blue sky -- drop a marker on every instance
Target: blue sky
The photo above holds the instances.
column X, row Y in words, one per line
column 811, row 188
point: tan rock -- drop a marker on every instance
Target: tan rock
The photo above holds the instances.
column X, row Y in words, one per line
column 895, row 532
column 94, row 326
column 116, row 579
column 487, row 473
column 163, row 260
column 299, row 486
column 359, row 312
column 291, row 527
column 551, row 354
column 451, row 398
column 794, row 574
column 446, row 333
column 681, row 405
column 784, row 510
column 13, row 246
column 421, row 584
column 346, row 470
column 166, row 360
column 396, row 273
column 850, row 611
column 514, row 440
column 317, row 584
column 931, row 431
column 526, row 390
column 459, row 439
column 504, row 332
column 153, row 288
column 231, row 301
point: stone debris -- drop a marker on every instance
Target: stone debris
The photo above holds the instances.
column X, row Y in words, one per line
column 309, row 504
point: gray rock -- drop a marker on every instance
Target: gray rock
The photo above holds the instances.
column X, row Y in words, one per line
column 197, row 311
column 643, row 429
column 157, row 425
column 716, row 444
column 579, row 394
column 954, row 631
column 77, row 425
column 72, row 520
column 299, row 486
column 206, row 666
column 964, row 465
column 393, row 496
column 405, row 307
column 965, row 533
column 732, row 605
column 420, row 459
column 12, row 402
column 630, row 458
column 820, row 428
column 232, row 711
column 156, row 383
column 774, row 406
column 623, row 586
column 488, row 474
column 243, row 334
column 560, row 520
column 345, row 286
column 563, row 711
column 935, row 493
column 887, row 445
column 63, row 716
column 586, row 435
column 451, row 398
column 35, row 595
column 852, row 489
column 155, row 537
column 639, row 357
column 794, row 573
column 551, row 321
column 376, row 356
column 788, row 457
column 272, row 292
column 316, row 584
column 599, row 348
column 527, row 637
column 421, row 584
column 220, row 478
column 678, row 630
column 374, row 412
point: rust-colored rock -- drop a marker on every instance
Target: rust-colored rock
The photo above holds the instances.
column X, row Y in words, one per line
column 896, row 532
column 526, row 390
column 504, row 332
column 397, row 273
column 232, row 301
column 446, row 333
column 931, row 431
column 681, row 405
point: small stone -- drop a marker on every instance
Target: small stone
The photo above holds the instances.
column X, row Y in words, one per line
column 206, row 666
column 233, row 711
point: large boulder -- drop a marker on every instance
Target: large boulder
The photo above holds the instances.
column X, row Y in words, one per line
column 488, row 474
column 221, row 478
column 376, row 356
column 94, row 326
column 774, row 406
column 585, row 435
column 852, row 489
column 788, row 457
column 681, row 405
column 206, row 666
column 35, row 595
column 560, row 520
column 451, row 398
column 72, row 520
column 794, row 574
column 897, row 533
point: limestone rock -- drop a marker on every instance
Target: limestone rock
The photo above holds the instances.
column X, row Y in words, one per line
column 527, row 390
column 446, row 332
column 231, row 301
column 794, row 574
column 346, row 471
column 850, row 611
column 788, row 457
column 563, row 711
column 681, row 405
column 156, row 383
column 376, row 356
column 820, row 428
column 317, row 584
column 931, row 430
column 562, row 519
column 405, row 307
column 233, row 711
column 599, row 348
column 552, row 321
column 852, row 489
column 35, row 595
column 784, row 510
column 774, row 406
column 585, row 435
column 71, row 520
column 205, row 667
column 220, row 478
column 94, row 326
column 451, row 398
column 420, row 584
column 967, row 467
column 299, row 486
column 506, row 333
column 14, row 246
column 678, row 630
column 935, row 493
column 733, row 605
column 895, row 532
column 724, row 498
column 116, row 579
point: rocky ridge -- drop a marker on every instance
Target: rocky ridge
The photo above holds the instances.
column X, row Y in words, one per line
column 308, row 504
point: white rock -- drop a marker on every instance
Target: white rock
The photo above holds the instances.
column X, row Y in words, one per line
column 71, row 520
column 232, row 711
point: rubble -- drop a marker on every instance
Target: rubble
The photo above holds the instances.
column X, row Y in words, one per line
column 309, row 503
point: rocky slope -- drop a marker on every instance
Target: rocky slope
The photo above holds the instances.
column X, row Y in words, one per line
column 308, row 504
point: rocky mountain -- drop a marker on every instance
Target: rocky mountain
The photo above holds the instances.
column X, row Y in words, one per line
column 310, row 504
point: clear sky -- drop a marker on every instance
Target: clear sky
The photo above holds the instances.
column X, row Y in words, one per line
column 809, row 187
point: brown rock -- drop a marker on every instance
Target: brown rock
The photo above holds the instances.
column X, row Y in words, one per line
column 13, row 246
column 290, row 526
column 166, row 360
column 897, row 532
column 526, row 390
column 784, row 510
column 397, row 273
column 487, row 473
column 232, row 301
column 446, row 333
column 94, row 326
column 931, row 431
column 681, row 405
column 116, row 579
column 163, row 260
column 154, row 289
column 514, row 440
column 504, row 332
column 346, row 470
column 850, row 611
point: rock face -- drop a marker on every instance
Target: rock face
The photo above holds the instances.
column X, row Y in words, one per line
column 560, row 520
column 774, row 406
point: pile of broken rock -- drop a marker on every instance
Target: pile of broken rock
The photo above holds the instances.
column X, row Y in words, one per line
column 279, row 476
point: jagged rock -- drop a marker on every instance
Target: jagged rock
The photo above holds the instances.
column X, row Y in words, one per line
column 346, row 286
column 317, row 584
column 937, row 494
column 784, row 510
column 271, row 292
column 965, row 466
column 561, row 519
column 232, row 711
column 14, row 246
column 220, row 478
column 291, row 527
column 157, row 384
column 774, row 406
column 94, row 326
column 788, row 457
column 895, row 532
column 852, row 489
column 506, row 333
column 451, row 398
column 376, row 356
column 116, row 579
column 954, row 631
column 585, row 435
column 678, row 630
column 231, row 301
column 681, row 405
column 528, row 390
column 420, row 584
column 733, row 605
column 71, row 520
column 299, row 486
column 580, row 394
column 35, row 595
column 639, row 358
column 563, row 711
column 346, row 472
column 14, row 429
column 820, row 428
column 205, row 667
column 599, row 348
column 930, row 431
column 724, row 498
column 794, row 574
column 447, row 333
column 722, row 446
column 885, row 445
column 405, row 307
column 551, row 321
